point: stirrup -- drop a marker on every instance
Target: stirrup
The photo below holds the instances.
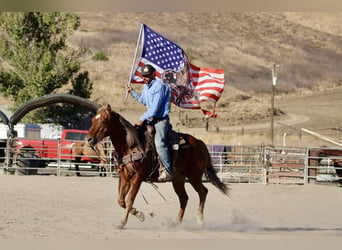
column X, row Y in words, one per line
column 164, row 176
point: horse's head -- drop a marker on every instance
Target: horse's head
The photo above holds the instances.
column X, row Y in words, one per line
column 107, row 122
column 99, row 125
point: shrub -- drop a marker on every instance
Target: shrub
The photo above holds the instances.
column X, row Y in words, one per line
column 100, row 56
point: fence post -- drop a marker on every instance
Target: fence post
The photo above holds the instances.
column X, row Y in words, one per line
column 59, row 157
column 306, row 168
column 221, row 167
column 265, row 162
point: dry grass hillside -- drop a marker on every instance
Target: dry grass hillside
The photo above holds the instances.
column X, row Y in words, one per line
column 307, row 46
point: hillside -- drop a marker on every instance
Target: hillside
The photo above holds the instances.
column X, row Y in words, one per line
column 307, row 46
column 244, row 44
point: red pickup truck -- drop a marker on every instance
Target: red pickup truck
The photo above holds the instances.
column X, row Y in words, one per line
column 39, row 153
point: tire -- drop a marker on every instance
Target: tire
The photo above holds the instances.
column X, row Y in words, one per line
column 2, row 151
column 28, row 159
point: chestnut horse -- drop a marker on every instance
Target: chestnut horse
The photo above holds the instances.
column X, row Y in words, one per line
column 133, row 163
column 80, row 149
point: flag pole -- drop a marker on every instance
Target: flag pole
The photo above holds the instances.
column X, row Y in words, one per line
column 134, row 59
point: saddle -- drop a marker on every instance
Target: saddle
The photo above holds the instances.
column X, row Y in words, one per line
column 176, row 142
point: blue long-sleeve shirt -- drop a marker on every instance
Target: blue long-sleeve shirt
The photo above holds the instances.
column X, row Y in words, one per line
column 156, row 97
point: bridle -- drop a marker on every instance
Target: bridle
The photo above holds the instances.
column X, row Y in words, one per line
column 106, row 123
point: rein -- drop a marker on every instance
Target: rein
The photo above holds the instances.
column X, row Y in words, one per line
column 97, row 151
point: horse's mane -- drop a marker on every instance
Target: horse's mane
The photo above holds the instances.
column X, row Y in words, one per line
column 132, row 137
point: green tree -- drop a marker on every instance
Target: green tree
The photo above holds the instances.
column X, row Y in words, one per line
column 35, row 60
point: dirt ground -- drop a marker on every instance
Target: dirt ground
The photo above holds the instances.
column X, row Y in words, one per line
column 51, row 207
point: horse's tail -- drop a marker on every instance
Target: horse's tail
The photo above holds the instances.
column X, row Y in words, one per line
column 213, row 178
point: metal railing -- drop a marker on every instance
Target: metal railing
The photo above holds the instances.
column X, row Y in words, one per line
column 233, row 163
column 238, row 164
column 57, row 159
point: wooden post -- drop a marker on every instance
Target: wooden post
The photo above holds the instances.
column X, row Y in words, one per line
column 274, row 82
column 272, row 113
column 313, row 162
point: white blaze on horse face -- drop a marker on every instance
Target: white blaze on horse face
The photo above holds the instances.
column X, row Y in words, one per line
column 97, row 116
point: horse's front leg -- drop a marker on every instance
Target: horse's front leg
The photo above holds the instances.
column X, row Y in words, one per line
column 140, row 215
column 129, row 209
column 124, row 186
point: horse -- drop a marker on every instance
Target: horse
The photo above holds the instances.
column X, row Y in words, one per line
column 80, row 149
column 133, row 163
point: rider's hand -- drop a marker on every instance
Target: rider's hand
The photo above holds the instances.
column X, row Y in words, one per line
column 129, row 89
column 139, row 123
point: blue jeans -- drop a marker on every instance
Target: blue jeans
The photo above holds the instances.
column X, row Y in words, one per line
column 161, row 141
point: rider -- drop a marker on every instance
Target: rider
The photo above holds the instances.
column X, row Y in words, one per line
column 155, row 96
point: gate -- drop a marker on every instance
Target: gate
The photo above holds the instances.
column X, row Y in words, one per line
column 238, row 164
column 286, row 165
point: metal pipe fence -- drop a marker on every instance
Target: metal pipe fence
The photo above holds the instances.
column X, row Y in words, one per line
column 57, row 159
column 238, row 164
column 233, row 163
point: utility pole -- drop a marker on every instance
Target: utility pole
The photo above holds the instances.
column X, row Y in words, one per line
column 274, row 83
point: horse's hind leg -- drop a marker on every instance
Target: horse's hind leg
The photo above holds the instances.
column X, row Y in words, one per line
column 202, row 194
column 179, row 186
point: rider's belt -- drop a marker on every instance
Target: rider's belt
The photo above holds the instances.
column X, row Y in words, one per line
column 158, row 119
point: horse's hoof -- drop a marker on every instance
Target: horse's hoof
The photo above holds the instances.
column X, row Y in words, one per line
column 175, row 223
column 141, row 216
column 119, row 226
column 200, row 223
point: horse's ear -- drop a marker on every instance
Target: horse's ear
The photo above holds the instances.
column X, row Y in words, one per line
column 109, row 108
column 99, row 106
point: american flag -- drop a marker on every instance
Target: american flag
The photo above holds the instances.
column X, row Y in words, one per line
column 190, row 85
